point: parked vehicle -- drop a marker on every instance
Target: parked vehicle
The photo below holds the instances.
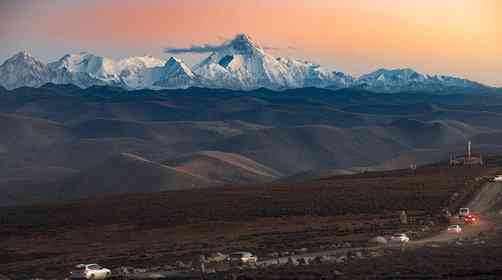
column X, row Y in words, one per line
column 454, row 229
column 463, row 212
column 243, row 258
column 399, row 238
column 90, row 271
column 497, row 178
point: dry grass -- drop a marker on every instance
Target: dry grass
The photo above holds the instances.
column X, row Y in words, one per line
column 152, row 229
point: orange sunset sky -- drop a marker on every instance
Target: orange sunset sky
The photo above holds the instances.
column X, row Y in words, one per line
column 459, row 37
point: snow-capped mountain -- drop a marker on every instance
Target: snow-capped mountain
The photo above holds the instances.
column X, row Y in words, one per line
column 23, row 70
column 307, row 74
column 240, row 64
column 174, row 74
column 243, row 64
column 398, row 80
column 85, row 70
column 137, row 72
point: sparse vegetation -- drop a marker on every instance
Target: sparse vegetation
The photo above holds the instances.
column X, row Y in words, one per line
column 164, row 227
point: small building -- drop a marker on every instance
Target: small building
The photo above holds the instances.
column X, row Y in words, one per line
column 468, row 159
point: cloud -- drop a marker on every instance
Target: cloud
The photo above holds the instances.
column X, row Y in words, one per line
column 204, row 48
column 270, row 48
column 208, row 48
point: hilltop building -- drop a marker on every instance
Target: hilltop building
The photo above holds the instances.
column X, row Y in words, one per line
column 468, row 159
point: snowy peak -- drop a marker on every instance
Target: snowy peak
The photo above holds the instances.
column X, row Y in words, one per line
column 240, row 49
column 22, row 56
column 136, row 72
column 102, row 67
column 406, row 72
column 84, row 70
column 396, row 80
column 242, row 64
column 23, row 70
column 174, row 74
column 140, row 62
column 23, row 59
column 95, row 66
column 393, row 76
column 245, row 45
column 175, row 66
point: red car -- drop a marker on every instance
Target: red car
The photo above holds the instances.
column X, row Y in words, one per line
column 471, row 219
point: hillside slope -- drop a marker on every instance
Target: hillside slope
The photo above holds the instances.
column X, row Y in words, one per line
column 127, row 173
column 260, row 135
column 301, row 148
column 226, row 168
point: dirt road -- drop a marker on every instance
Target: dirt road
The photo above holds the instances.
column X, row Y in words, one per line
column 486, row 200
column 467, row 231
column 484, row 205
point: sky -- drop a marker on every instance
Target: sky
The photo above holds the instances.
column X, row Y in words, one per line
column 454, row 37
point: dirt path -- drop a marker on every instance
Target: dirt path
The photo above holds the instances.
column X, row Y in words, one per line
column 467, row 231
column 486, row 200
column 483, row 205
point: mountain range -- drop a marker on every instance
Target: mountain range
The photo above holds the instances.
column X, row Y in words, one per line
column 87, row 126
column 61, row 142
column 240, row 64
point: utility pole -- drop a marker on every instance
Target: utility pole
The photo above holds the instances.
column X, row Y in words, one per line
column 469, row 151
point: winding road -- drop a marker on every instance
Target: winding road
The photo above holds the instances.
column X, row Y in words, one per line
column 484, row 205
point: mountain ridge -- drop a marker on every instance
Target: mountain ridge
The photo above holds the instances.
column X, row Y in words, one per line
column 240, row 64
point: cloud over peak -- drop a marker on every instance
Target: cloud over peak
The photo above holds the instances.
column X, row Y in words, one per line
column 203, row 48
column 208, row 47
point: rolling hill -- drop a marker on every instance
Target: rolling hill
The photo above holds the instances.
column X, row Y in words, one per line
column 128, row 173
column 83, row 140
column 226, row 168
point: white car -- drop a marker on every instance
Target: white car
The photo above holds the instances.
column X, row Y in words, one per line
column 454, row 229
column 463, row 212
column 90, row 271
column 497, row 178
column 243, row 258
column 399, row 238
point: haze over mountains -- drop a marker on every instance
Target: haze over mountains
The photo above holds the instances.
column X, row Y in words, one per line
column 241, row 64
column 61, row 142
